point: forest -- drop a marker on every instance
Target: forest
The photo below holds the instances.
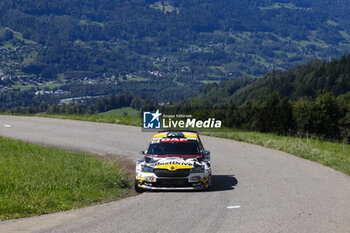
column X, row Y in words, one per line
column 325, row 117
column 303, row 82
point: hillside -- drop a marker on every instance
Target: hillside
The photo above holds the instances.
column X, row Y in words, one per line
column 301, row 83
column 179, row 44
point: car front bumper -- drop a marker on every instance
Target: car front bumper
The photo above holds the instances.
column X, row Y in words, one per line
column 150, row 181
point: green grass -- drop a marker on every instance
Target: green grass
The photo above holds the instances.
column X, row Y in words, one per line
column 6, row 45
column 180, row 84
column 345, row 34
column 50, row 85
column 103, row 118
column 21, row 87
column 279, row 5
column 304, row 43
column 60, row 76
column 260, row 60
column 236, row 36
column 331, row 22
column 19, row 36
column 210, row 81
column 135, row 79
column 120, row 112
column 221, row 68
column 37, row 180
column 158, row 66
column 30, row 58
column 28, row 87
column 84, row 22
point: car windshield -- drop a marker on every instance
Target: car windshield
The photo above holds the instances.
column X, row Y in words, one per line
column 174, row 148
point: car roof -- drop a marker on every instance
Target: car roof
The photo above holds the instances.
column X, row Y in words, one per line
column 176, row 134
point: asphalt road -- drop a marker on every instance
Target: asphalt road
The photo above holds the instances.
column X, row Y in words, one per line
column 255, row 189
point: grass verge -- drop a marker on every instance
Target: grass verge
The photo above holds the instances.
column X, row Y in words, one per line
column 100, row 117
column 120, row 112
column 37, row 180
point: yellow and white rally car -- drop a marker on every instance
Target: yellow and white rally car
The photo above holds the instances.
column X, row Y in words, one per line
column 174, row 160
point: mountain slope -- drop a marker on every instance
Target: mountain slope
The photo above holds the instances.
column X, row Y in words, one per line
column 181, row 42
column 272, row 34
column 302, row 82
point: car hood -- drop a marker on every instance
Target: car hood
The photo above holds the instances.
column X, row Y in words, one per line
column 174, row 163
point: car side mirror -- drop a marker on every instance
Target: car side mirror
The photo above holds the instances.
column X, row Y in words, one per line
column 142, row 152
column 206, row 154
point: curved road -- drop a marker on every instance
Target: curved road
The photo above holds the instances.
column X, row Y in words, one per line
column 255, row 189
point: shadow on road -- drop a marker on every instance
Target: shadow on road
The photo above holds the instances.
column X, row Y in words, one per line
column 223, row 182
column 219, row 183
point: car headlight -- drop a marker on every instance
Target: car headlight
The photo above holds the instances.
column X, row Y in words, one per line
column 145, row 168
column 199, row 169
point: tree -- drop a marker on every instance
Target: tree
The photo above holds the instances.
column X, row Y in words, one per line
column 232, row 116
column 328, row 115
column 43, row 107
column 6, row 35
column 320, row 117
column 344, row 126
column 273, row 115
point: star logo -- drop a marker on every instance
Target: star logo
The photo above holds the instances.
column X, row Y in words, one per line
column 152, row 120
column 156, row 115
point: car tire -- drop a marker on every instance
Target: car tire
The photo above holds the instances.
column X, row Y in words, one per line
column 137, row 188
column 210, row 181
column 208, row 184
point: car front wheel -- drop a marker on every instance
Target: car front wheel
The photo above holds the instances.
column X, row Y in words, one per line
column 137, row 188
column 208, row 184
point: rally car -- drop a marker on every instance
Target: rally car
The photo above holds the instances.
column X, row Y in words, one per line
column 174, row 160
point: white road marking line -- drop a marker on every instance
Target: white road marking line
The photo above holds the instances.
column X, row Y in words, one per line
column 7, row 126
column 233, row 207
